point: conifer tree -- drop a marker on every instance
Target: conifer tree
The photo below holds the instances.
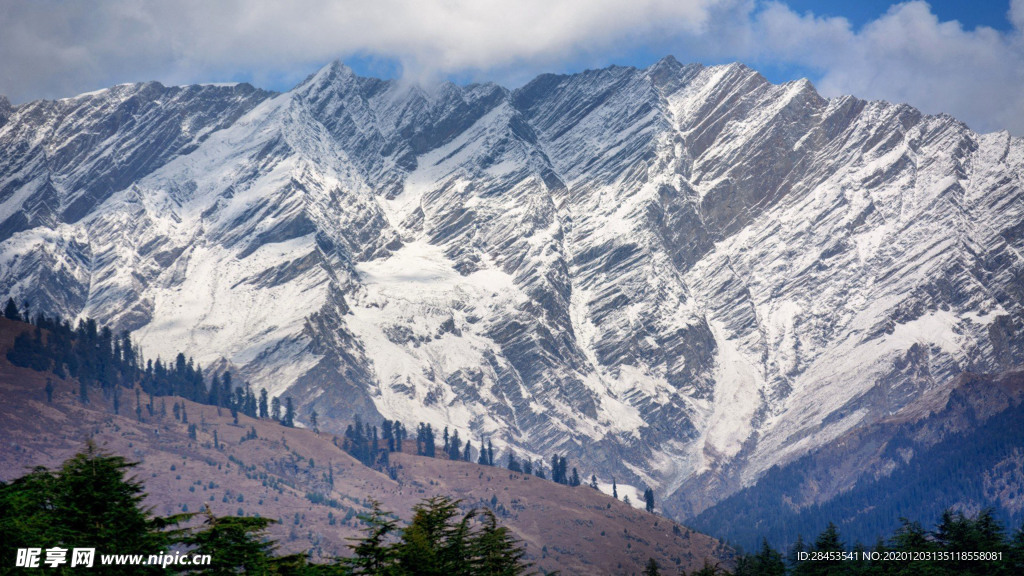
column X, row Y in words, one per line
column 482, row 459
column 455, row 449
column 11, row 310
column 372, row 553
column 767, row 562
column 89, row 501
column 264, row 411
column 513, row 464
column 289, row 413
column 235, row 545
column 494, row 551
column 649, row 500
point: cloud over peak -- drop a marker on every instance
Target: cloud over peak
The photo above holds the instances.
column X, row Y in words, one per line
column 54, row 48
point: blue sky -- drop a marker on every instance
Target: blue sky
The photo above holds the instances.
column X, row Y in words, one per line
column 961, row 58
column 970, row 15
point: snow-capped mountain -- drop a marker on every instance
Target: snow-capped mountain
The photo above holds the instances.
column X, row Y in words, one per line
column 680, row 275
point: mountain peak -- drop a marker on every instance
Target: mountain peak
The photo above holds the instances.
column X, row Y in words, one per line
column 332, row 73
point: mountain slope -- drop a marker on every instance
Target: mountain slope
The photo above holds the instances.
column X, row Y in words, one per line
column 315, row 490
column 682, row 275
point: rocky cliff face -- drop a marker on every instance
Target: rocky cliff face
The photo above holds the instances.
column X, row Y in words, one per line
column 680, row 275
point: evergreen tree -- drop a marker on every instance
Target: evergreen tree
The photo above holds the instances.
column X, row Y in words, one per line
column 767, row 562
column 513, row 464
column 435, row 542
column 372, row 554
column 235, row 545
column 289, row 413
column 494, row 552
column 649, row 500
column 313, row 422
column 88, row 502
column 615, row 489
column 793, row 557
column 482, row 459
column 264, row 412
column 275, row 409
column 455, row 447
column 652, row 568
column 11, row 310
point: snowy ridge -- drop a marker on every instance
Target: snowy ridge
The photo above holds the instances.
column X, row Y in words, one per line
column 680, row 275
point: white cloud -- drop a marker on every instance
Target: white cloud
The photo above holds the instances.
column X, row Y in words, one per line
column 907, row 55
column 55, row 48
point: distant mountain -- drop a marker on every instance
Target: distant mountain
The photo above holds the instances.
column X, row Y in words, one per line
column 962, row 451
column 681, row 275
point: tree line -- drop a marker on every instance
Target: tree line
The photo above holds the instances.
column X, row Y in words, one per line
column 91, row 503
column 102, row 361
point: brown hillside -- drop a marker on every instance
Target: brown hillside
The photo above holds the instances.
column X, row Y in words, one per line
column 574, row 530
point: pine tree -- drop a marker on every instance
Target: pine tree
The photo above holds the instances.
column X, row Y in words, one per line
column 313, row 422
column 455, row 449
column 435, row 542
column 615, row 489
column 263, row 403
column 652, row 568
column 482, row 459
column 275, row 409
column 289, row 413
column 649, row 500
column 513, row 464
column 767, row 562
column 11, row 310
column 494, row 552
column 235, row 544
column 372, row 554
column 88, row 501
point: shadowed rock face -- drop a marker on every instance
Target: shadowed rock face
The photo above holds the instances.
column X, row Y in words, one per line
column 679, row 275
